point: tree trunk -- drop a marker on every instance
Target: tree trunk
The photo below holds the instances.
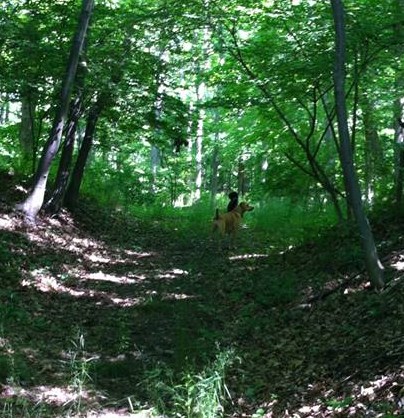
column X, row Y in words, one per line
column 155, row 152
column 4, row 109
column 373, row 264
column 399, row 164
column 399, row 159
column 72, row 193
column 27, row 129
column 399, row 108
column 33, row 203
column 241, row 179
column 198, row 153
column 373, row 149
column 56, row 200
column 215, row 171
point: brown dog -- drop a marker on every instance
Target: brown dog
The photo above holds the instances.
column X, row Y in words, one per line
column 229, row 222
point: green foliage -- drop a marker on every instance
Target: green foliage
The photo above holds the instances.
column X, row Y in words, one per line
column 80, row 377
column 197, row 395
column 21, row 407
column 9, row 155
column 340, row 403
column 151, row 61
column 303, row 220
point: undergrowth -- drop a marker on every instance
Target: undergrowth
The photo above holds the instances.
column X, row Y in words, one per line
column 191, row 394
column 153, row 300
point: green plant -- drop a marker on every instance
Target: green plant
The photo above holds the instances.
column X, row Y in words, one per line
column 340, row 403
column 197, row 395
column 302, row 220
column 259, row 413
column 21, row 407
column 13, row 369
column 80, row 377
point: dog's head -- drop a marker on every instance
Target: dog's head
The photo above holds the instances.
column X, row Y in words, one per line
column 245, row 207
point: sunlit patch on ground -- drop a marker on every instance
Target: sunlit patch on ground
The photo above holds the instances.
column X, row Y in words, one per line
column 398, row 265
column 247, row 256
column 6, row 222
column 58, row 396
column 65, row 398
column 43, row 281
column 172, row 274
column 177, row 296
column 100, row 276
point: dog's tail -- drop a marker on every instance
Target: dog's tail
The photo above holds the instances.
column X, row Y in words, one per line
column 217, row 215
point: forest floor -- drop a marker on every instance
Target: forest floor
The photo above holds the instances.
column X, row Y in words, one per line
column 102, row 315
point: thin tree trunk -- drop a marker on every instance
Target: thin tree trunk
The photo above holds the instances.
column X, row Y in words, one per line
column 198, row 153
column 215, row 171
column 241, row 178
column 72, row 193
column 373, row 149
column 373, row 264
column 27, row 128
column 399, row 108
column 155, row 152
column 4, row 108
column 399, row 164
column 56, row 200
column 34, row 201
column 200, row 97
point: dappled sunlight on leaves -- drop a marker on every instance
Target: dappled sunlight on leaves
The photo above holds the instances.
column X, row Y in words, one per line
column 6, row 222
column 398, row 265
column 45, row 282
column 172, row 274
column 109, row 278
column 55, row 396
column 247, row 256
column 177, row 296
column 314, row 339
column 4, row 344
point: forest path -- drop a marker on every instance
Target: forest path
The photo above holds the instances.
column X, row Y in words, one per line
column 153, row 302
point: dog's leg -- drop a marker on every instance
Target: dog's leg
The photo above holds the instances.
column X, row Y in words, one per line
column 232, row 240
column 218, row 231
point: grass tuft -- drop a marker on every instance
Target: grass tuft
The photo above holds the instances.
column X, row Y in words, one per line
column 197, row 395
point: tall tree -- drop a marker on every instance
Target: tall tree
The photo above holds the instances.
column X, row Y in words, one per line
column 34, row 201
column 54, row 204
column 373, row 264
column 399, row 105
column 72, row 192
column 27, row 128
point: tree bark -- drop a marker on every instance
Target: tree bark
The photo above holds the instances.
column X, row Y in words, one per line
column 34, row 201
column 72, row 193
column 399, row 108
column 399, row 165
column 241, row 179
column 56, row 200
column 4, row 108
column 198, row 153
column 215, row 171
column 27, row 129
column 373, row 149
column 372, row 262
